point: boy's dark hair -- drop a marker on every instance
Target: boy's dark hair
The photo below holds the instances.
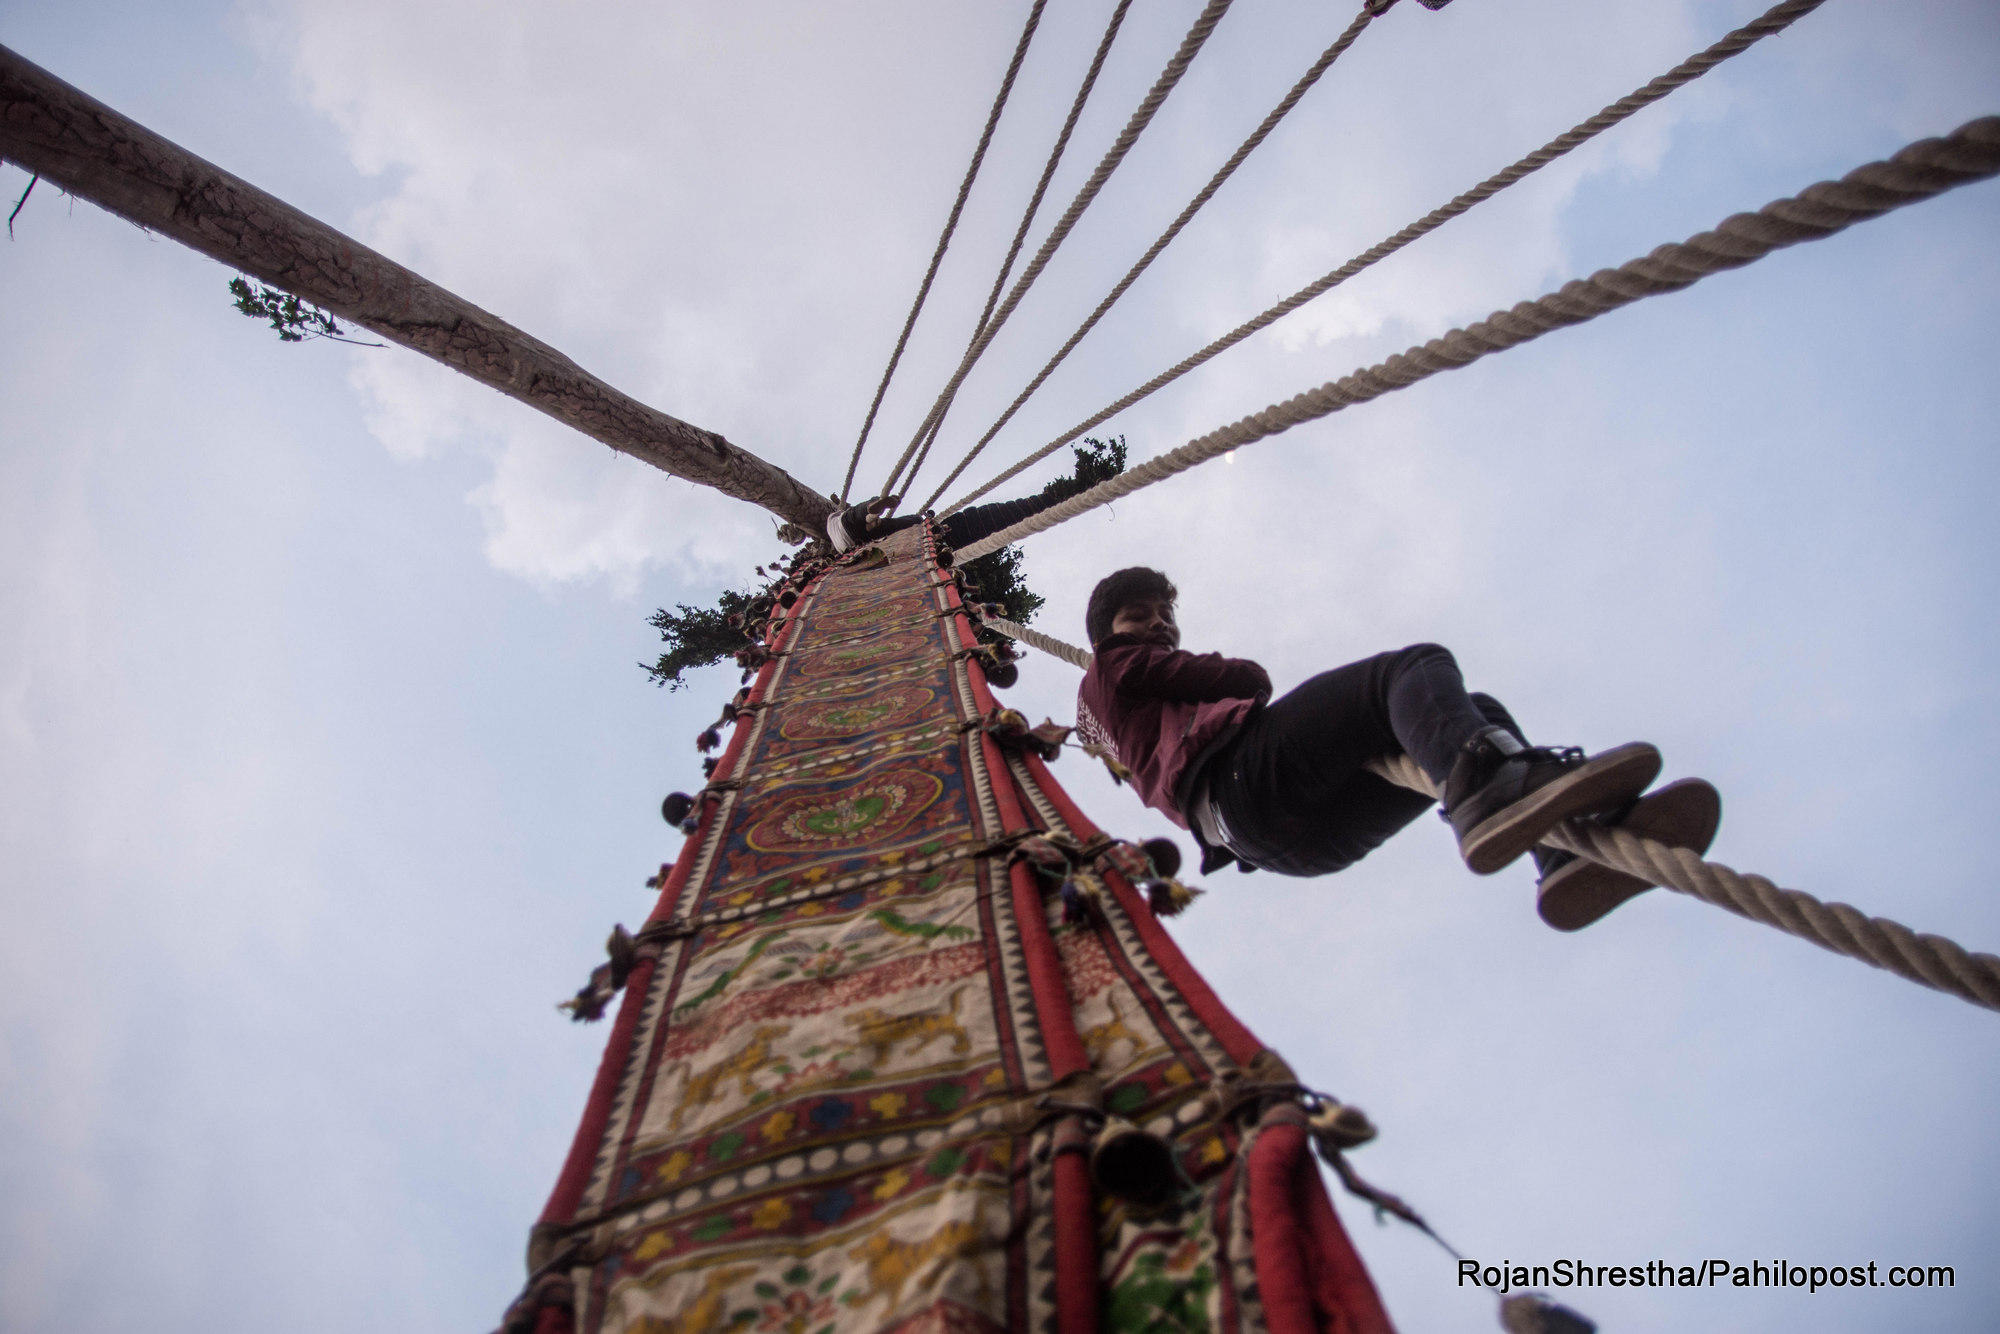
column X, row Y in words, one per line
column 1116, row 590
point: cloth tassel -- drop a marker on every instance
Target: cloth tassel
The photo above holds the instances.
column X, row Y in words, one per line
column 1072, row 901
column 1168, row 897
column 606, row 980
column 1119, row 773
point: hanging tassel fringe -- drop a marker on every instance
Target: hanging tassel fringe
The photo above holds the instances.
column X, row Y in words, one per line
column 606, row 980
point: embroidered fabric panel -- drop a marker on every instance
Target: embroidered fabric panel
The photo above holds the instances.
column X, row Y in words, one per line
column 815, row 1131
column 826, row 1119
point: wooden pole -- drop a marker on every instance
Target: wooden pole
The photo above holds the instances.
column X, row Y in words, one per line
column 76, row 142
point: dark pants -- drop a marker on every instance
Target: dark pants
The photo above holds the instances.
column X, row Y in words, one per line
column 1291, row 785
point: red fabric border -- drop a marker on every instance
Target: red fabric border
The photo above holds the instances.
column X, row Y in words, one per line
column 575, row 1174
column 1077, row 1297
column 1311, row 1280
column 1278, row 1239
column 1237, row 1040
column 1338, row 1267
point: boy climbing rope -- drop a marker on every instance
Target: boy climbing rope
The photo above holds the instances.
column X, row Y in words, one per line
column 1283, row 784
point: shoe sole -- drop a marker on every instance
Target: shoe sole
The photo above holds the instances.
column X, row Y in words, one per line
column 1683, row 814
column 1604, row 782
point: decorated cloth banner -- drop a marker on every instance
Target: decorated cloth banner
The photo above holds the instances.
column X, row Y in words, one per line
column 871, row 1077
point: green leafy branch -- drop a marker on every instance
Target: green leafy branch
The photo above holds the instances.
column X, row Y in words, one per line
column 295, row 320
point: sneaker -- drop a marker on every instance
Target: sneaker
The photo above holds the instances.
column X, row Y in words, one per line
column 1502, row 796
column 1575, row 891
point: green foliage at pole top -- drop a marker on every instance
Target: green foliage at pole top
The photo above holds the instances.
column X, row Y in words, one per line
column 701, row 636
column 997, row 578
column 697, row 636
column 997, row 574
column 1096, row 461
column 295, row 320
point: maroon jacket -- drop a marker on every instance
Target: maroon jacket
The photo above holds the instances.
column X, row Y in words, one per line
column 1157, row 710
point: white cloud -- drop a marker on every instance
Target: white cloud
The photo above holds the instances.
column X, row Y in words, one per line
column 274, row 728
column 685, row 229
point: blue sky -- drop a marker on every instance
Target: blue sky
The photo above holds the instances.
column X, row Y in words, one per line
column 325, row 764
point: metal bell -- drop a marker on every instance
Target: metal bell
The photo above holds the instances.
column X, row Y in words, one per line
column 1134, row 1165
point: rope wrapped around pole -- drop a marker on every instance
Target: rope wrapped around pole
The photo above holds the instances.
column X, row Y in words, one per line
column 944, row 238
column 1921, row 171
column 1916, row 956
column 1773, row 21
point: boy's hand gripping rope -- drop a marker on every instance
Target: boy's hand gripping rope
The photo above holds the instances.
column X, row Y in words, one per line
column 1926, row 168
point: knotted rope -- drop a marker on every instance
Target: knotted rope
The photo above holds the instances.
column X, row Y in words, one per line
column 1291, row 99
column 1776, row 20
column 944, row 239
column 1928, row 960
column 1190, row 46
column 1920, row 171
column 1035, row 202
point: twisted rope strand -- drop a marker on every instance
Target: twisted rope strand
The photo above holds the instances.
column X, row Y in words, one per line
column 944, row 238
column 1194, row 206
column 1190, row 46
column 1048, row 644
column 1920, row 171
column 1775, row 20
column 1928, row 960
column 1034, row 203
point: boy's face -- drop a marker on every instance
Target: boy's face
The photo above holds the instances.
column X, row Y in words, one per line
column 1151, row 619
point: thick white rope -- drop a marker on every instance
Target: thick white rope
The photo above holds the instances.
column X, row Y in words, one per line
column 1775, row 20
column 944, row 239
column 1048, row 644
column 1034, row 203
column 1928, row 960
column 1921, row 171
column 1291, row 99
column 1176, row 66
column 1931, row 961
